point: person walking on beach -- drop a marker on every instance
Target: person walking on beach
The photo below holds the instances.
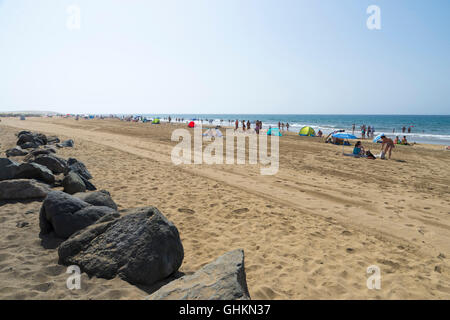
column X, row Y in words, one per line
column 279, row 125
column 403, row 129
column 287, row 126
column 282, row 126
column 409, row 129
column 248, row 125
column 387, row 145
column 236, row 125
column 243, row 125
column 363, row 132
column 257, row 126
column 353, row 129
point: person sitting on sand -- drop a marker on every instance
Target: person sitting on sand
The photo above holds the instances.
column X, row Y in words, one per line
column 387, row 145
column 404, row 141
column 358, row 150
column 397, row 140
column 320, row 133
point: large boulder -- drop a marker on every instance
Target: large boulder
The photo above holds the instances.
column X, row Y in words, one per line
column 33, row 138
column 142, row 247
column 223, row 279
column 98, row 198
column 16, row 152
column 65, row 215
column 79, row 168
column 34, row 171
column 23, row 190
column 89, row 185
column 52, row 162
column 8, row 169
column 29, row 145
column 73, row 183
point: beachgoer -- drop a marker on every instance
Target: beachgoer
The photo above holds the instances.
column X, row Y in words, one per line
column 279, row 125
column 358, row 150
column 353, row 129
column 243, row 125
column 404, row 141
column 387, row 145
column 319, row 133
column 409, row 129
column 248, row 124
column 403, row 129
column 287, row 126
column 397, row 140
column 236, row 125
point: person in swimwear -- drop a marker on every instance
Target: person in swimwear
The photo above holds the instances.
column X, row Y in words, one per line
column 387, row 145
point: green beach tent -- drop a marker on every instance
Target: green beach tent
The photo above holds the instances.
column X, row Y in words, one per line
column 307, row 132
column 156, row 121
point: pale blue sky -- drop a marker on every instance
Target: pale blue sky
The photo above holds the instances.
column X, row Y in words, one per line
column 225, row 56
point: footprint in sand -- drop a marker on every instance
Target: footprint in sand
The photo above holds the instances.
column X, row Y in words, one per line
column 185, row 210
column 239, row 211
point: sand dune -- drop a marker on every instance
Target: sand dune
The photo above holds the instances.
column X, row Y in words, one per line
column 309, row 232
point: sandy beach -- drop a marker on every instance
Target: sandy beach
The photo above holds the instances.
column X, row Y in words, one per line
column 308, row 232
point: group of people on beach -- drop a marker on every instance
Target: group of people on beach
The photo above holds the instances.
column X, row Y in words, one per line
column 386, row 149
column 404, row 129
column 281, row 126
column 368, row 131
column 247, row 125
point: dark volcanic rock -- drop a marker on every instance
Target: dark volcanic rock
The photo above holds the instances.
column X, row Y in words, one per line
column 23, row 190
column 65, row 214
column 142, row 247
column 8, row 169
column 52, row 162
column 37, row 139
column 16, row 152
column 99, row 198
column 79, row 168
column 223, row 279
column 88, row 184
column 67, row 143
column 73, row 183
column 29, row 145
column 34, row 171
column 52, row 140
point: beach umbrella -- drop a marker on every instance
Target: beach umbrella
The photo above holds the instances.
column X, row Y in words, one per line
column 344, row 136
column 378, row 137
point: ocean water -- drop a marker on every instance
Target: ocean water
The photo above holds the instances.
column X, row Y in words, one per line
column 433, row 129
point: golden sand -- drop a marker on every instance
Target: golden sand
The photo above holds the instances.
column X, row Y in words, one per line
column 308, row 232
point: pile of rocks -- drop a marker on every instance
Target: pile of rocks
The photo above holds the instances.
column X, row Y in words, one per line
column 139, row 245
column 42, row 164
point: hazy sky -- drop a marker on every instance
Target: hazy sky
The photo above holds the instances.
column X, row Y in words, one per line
column 225, row 56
